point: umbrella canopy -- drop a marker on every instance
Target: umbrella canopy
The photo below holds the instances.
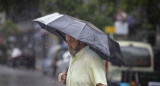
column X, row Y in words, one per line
column 61, row 24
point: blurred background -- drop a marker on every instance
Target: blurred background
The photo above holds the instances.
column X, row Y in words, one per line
column 31, row 56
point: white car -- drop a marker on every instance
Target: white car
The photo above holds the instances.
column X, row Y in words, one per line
column 63, row 64
column 138, row 57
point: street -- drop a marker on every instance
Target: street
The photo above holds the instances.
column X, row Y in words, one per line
column 25, row 77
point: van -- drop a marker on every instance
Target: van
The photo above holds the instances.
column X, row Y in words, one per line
column 138, row 57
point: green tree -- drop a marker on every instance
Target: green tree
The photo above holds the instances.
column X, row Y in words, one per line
column 19, row 10
column 146, row 13
column 9, row 28
column 98, row 12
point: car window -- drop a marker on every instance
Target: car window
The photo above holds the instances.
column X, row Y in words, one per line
column 136, row 56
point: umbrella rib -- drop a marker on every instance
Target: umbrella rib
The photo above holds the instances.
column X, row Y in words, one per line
column 81, row 30
column 94, row 37
column 61, row 35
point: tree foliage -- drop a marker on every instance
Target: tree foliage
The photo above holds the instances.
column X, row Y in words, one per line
column 146, row 13
column 19, row 10
column 98, row 12
column 9, row 28
column 148, row 9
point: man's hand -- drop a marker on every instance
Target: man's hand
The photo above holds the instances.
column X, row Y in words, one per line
column 100, row 84
column 62, row 77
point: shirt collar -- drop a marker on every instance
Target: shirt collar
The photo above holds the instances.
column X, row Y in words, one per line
column 81, row 52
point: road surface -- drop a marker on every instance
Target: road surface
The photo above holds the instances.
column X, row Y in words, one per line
column 25, row 77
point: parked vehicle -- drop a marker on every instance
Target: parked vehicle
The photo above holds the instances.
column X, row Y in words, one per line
column 58, row 60
column 14, row 59
column 63, row 63
column 139, row 68
column 20, row 58
column 156, row 51
column 49, row 64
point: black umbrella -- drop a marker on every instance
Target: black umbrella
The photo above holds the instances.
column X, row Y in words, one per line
column 60, row 24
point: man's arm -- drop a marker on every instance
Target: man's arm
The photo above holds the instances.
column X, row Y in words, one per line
column 97, row 71
column 99, row 84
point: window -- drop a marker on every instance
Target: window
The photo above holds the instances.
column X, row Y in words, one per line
column 136, row 56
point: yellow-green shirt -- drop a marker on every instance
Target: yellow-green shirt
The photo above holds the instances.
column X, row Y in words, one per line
column 86, row 69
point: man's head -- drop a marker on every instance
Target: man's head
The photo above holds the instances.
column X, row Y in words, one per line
column 74, row 45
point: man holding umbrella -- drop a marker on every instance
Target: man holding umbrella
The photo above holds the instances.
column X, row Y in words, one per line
column 87, row 44
column 86, row 67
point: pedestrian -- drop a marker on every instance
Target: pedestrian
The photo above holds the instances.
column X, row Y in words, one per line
column 86, row 68
column 83, row 38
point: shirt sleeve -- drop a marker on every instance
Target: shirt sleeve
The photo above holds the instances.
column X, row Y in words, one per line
column 97, row 71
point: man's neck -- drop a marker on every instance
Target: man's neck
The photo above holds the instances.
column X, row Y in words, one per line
column 79, row 50
column 82, row 47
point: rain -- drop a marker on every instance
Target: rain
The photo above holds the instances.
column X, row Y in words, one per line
column 30, row 55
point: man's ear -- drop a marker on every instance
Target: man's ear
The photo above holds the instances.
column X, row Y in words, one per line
column 83, row 44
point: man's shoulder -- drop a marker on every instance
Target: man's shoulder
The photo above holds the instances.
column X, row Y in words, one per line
column 92, row 58
column 92, row 55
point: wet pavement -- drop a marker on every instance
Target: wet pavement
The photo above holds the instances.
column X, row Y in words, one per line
column 24, row 77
